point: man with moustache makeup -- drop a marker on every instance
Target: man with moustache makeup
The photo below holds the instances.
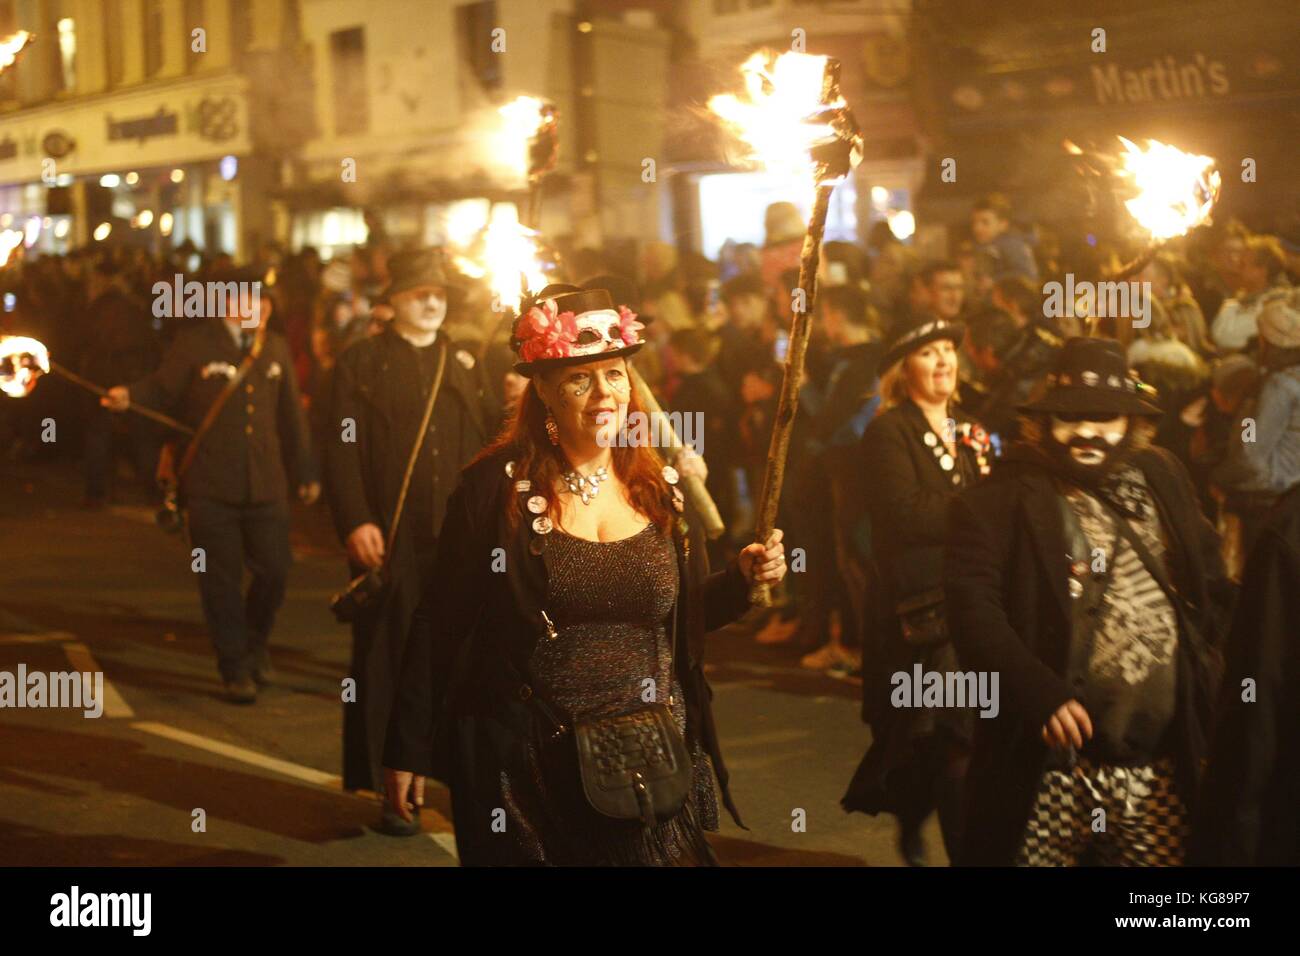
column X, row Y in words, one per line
column 1083, row 572
column 380, row 392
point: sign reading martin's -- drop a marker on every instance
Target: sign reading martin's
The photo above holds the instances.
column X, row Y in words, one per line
column 1168, row 77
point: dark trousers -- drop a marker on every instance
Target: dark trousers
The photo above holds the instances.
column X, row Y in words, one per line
column 232, row 536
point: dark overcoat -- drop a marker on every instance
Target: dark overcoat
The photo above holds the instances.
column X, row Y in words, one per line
column 460, row 717
column 1249, row 812
column 1006, row 573
column 906, row 491
column 377, row 387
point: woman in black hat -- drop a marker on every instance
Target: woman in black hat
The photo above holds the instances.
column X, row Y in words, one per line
column 562, row 694
column 917, row 454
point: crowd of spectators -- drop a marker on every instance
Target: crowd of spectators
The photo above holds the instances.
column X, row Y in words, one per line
column 1221, row 346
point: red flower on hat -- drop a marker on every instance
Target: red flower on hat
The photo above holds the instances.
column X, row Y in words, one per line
column 629, row 328
column 546, row 333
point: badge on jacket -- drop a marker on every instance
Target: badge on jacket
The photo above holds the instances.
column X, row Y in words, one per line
column 274, row 370
column 465, row 358
column 224, row 369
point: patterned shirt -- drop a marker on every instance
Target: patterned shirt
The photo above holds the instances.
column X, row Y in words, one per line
column 1130, row 677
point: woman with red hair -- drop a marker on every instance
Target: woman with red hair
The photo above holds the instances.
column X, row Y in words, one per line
column 562, row 695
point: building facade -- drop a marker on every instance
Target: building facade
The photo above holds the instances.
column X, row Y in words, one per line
column 407, row 97
column 149, row 122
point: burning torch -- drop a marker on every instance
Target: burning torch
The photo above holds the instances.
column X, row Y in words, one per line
column 23, row 360
column 794, row 121
column 1170, row 192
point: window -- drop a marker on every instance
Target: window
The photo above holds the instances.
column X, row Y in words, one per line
column 67, row 28
column 113, row 42
column 241, row 29
column 474, row 25
column 291, row 32
column 153, row 36
column 194, row 13
column 348, row 70
column 8, row 25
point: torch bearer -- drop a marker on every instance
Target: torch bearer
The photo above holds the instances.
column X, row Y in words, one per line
column 795, row 117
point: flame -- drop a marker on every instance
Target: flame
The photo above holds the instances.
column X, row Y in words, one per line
column 10, row 240
column 506, row 255
column 11, row 46
column 524, row 117
column 1175, row 190
column 22, row 361
column 781, row 118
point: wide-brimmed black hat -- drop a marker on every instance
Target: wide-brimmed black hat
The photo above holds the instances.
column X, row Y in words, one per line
column 569, row 325
column 414, row 269
column 1092, row 377
column 910, row 334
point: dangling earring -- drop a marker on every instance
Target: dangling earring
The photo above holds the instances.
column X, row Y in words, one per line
column 552, row 429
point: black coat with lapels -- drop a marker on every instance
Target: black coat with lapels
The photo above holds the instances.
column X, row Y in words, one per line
column 907, row 491
column 459, row 716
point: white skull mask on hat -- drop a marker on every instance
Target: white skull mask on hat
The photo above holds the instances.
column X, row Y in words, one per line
column 598, row 331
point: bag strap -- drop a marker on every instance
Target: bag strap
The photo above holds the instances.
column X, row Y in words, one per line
column 210, row 416
column 414, row 456
column 1149, row 561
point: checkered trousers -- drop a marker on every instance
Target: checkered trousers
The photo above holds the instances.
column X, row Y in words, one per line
column 1145, row 822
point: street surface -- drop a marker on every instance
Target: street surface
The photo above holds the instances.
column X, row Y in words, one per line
column 107, row 590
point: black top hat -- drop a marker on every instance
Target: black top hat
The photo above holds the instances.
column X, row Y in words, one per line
column 569, row 325
column 910, row 334
column 1092, row 377
column 414, row 269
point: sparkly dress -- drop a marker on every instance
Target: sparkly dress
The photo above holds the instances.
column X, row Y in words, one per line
column 610, row 601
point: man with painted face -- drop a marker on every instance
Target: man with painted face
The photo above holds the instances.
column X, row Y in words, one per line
column 1083, row 573
column 380, row 392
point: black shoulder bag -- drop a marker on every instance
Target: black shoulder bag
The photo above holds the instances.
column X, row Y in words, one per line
column 364, row 592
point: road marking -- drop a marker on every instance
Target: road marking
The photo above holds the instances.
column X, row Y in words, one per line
column 445, row 840
column 443, row 836
column 40, row 637
column 297, row 771
column 115, row 704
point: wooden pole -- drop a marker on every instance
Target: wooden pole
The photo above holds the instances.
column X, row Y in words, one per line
column 695, row 489
column 800, row 331
column 138, row 409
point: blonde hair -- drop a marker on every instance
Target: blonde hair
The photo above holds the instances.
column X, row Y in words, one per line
column 893, row 386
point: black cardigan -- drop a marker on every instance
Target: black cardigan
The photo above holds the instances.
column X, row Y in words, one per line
column 460, row 676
